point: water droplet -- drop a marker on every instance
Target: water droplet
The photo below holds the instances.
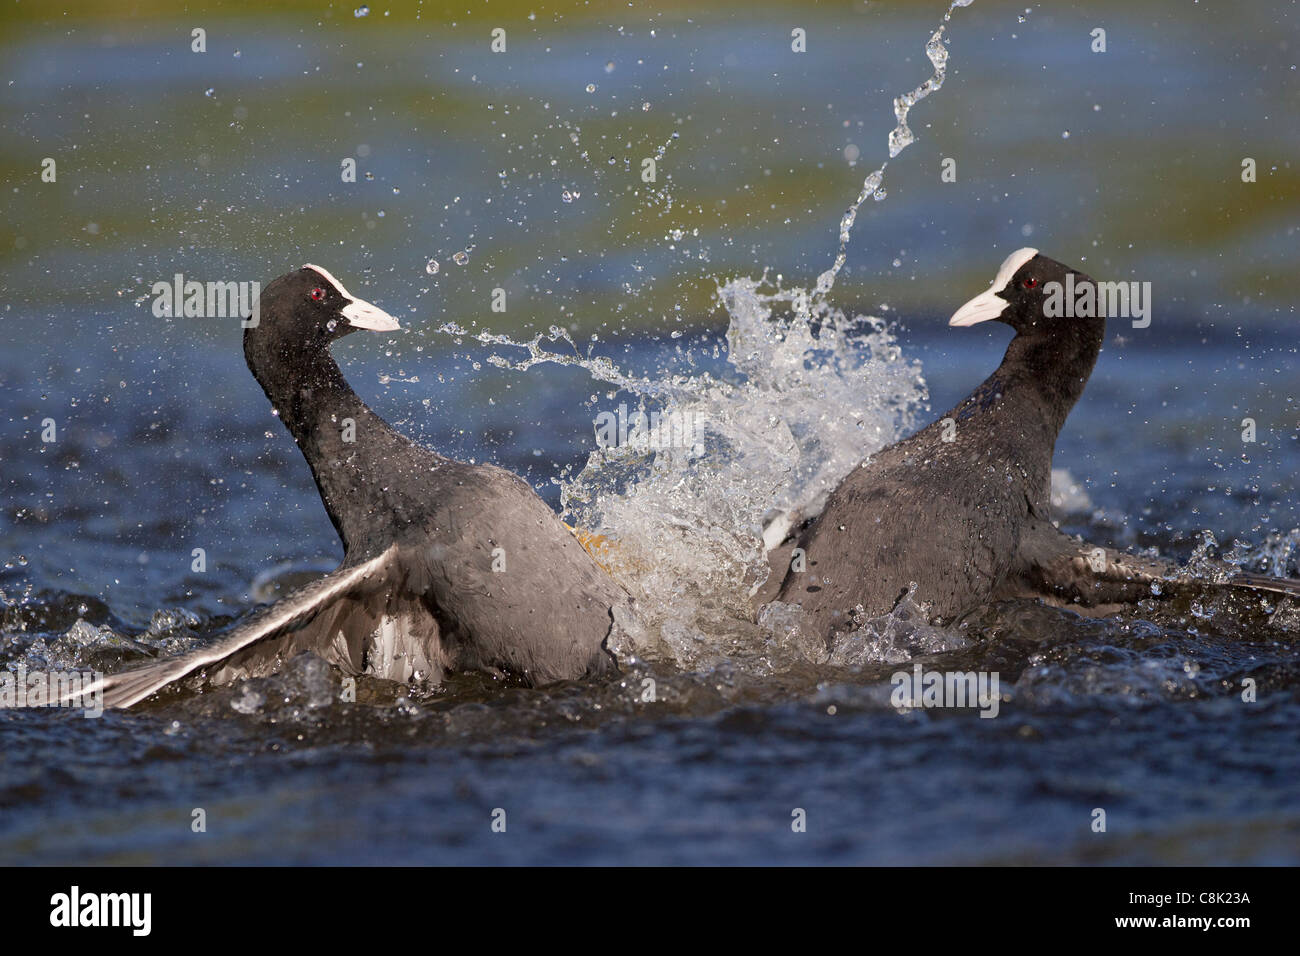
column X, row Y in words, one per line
column 209, row 92
column 569, row 195
column 1065, row 134
column 609, row 68
column 591, row 87
column 361, row 11
column 460, row 258
column 432, row 267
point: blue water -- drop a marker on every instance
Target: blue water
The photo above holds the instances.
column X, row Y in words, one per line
column 166, row 444
column 1111, row 718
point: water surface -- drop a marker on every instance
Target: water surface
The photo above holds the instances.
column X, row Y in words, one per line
column 166, row 443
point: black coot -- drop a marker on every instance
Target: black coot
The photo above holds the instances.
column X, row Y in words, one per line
column 447, row 566
column 961, row 508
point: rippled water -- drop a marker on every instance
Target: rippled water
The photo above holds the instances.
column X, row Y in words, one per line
column 166, row 444
column 1139, row 715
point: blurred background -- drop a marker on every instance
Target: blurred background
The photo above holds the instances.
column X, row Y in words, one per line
column 227, row 163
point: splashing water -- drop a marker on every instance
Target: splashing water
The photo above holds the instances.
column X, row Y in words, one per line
column 686, row 527
column 900, row 137
column 681, row 526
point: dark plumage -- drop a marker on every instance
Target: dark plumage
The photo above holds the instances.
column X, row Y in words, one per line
column 447, row 566
column 961, row 508
column 946, row 508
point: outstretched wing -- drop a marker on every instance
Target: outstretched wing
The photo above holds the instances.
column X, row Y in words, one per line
column 1052, row 565
column 298, row 607
column 1265, row 582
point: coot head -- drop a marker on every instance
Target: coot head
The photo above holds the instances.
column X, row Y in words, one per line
column 306, row 310
column 1032, row 294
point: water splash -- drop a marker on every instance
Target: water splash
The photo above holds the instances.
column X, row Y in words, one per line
column 1278, row 554
column 900, row 137
column 808, row 393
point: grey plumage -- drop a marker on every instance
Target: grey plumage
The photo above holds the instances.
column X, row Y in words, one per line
column 961, row 508
column 945, row 508
column 1071, row 572
column 448, row 566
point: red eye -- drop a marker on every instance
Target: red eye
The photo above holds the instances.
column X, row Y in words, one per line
column 318, row 294
column 1030, row 283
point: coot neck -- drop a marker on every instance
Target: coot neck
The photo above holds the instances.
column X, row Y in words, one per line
column 1053, row 369
column 309, row 393
column 344, row 442
column 1018, row 411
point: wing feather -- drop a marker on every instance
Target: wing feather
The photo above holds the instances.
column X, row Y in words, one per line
column 132, row 686
column 1050, row 563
